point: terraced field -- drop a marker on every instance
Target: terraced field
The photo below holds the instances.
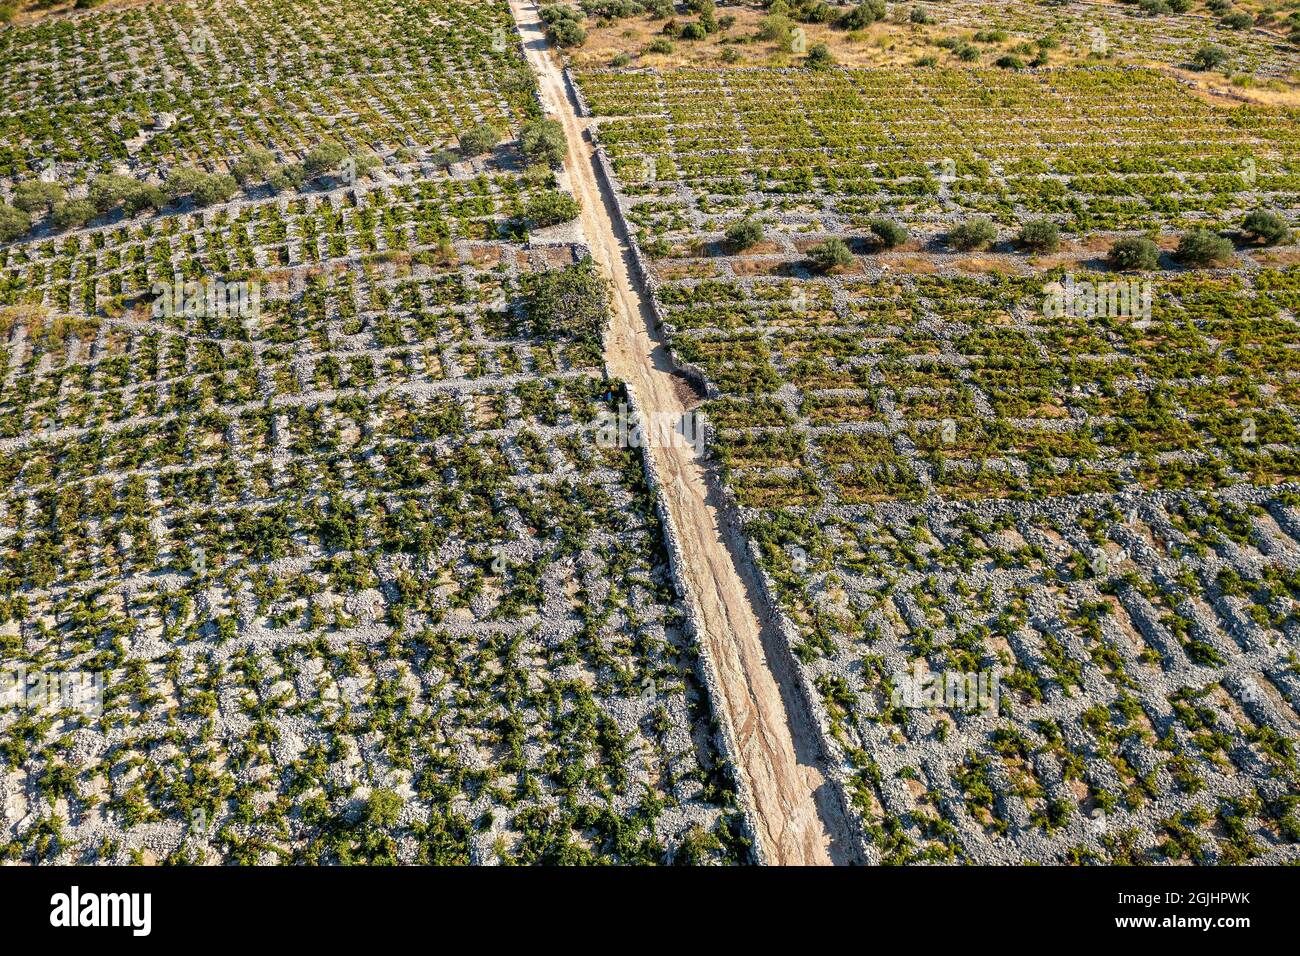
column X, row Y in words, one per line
column 314, row 543
column 309, row 479
column 944, row 473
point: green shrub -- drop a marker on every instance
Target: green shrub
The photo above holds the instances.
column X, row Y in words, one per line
column 144, row 196
column 1267, row 227
column 1201, row 247
column 1010, row 62
column 109, row 189
column 36, row 195
column 325, row 158
column 976, row 233
column 214, row 189
column 1238, row 20
column 72, row 214
column 819, row 57
column 694, row 31
column 180, row 182
column 551, row 207
column 831, row 254
column 659, row 45
column 863, row 15
column 1134, row 252
column 1209, row 57
column 573, row 301
column 254, row 166
column 743, row 234
column 542, row 142
column 1040, row 235
column 567, row 33
column 13, row 223
column 480, row 139
column 889, row 232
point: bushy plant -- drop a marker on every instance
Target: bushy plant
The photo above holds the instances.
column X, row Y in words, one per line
column 1209, row 57
column 479, row 140
column 255, row 165
column 542, row 142
column 831, row 254
column 36, row 195
column 819, row 57
column 889, row 232
column 743, row 234
column 1266, row 227
column 551, row 207
column 976, row 233
column 1040, row 235
column 1134, row 252
column 73, row 213
column 13, row 223
column 1201, row 247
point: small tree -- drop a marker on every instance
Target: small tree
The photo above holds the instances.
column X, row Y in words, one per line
column 74, row 213
column 889, row 232
column 36, row 195
column 976, row 233
column 326, row 157
column 1201, row 247
column 13, row 223
column 863, row 15
column 107, row 190
column 542, row 142
column 214, row 189
column 1134, row 252
column 180, row 182
column 819, row 57
column 831, row 254
column 144, row 196
column 479, row 140
column 1040, row 235
column 569, row 301
column 1209, row 57
column 254, row 166
column 552, row 207
column 742, row 234
column 1266, row 227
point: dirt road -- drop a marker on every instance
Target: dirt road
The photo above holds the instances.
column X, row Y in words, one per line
column 778, row 750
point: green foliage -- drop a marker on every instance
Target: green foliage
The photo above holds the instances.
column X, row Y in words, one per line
column 831, row 254
column 819, row 57
column 1134, row 252
column 863, row 15
column 975, row 233
column 1202, row 247
column 742, row 234
column 325, row 158
column 1209, row 57
column 109, row 189
column 552, row 207
column 254, row 166
column 572, row 301
column 36, row 195
column 889, row 232
column 479, row 140
column 13, row 223
column 1039, row 235
column 71, row 214
column 1266, row 227
column 542, row 142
